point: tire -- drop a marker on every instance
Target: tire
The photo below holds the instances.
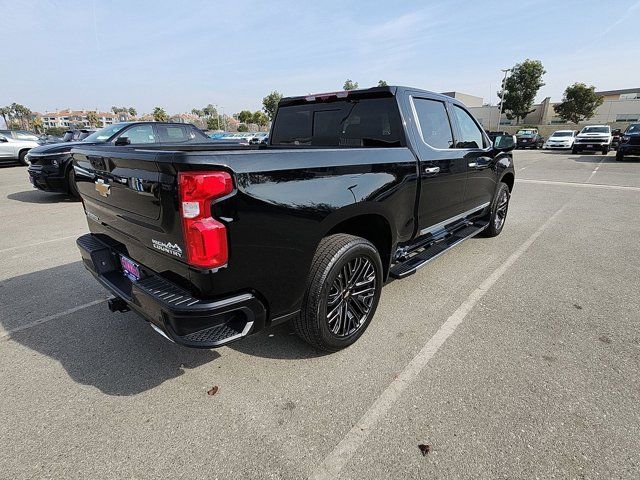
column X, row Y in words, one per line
column 22, row 158
column 619, row 156
column 340, row 260
column 71, row 184
column 499, row 209
column 574, row 150
column 605, row 151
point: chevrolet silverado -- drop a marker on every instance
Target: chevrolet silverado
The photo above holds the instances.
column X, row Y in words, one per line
column 211, row 243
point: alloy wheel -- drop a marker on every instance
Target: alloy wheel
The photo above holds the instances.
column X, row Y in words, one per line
column 501, row 209
column 351, row 296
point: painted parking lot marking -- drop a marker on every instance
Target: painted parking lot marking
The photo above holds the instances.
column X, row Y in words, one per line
column 355, row 438
column 578, row 184
column 595, row 170
column 48, row 318
column 18, row 247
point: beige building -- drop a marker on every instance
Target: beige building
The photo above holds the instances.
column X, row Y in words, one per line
column 77, row 118
column 619, row 106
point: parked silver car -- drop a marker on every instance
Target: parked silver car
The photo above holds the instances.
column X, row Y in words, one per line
column 14, row 145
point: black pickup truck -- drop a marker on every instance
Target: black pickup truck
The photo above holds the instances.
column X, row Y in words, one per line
column 211, row 243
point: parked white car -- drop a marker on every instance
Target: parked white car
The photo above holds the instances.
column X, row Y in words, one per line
column 12, row 149
column 561, row 139
column 593, row 138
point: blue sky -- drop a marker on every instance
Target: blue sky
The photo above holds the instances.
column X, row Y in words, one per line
column 185, row 54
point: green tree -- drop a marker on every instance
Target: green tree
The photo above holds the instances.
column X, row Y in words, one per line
column 197, row 112
column 213, row 123
column 243, row 128
column 270, row 104
column 38, row 125
column 350, row 85
column 19, row 115
column 260, row 119
column 521, row 87
column 159, row 114
column 245, row 116
column 5, row 112
column 382, row 83
column 132, row 111
column 92, row 119
column 579, row 102
column 55, row 131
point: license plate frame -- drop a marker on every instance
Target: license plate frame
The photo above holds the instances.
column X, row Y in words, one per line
column 130, row 269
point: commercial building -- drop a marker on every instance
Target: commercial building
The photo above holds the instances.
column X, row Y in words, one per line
column 619, row 106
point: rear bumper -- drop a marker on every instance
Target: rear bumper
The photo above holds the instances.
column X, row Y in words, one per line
column 178, row 315
column 47, row 178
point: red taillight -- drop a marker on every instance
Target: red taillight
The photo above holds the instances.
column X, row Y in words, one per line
column 205, row 238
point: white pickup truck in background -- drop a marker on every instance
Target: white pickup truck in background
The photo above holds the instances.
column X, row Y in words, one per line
column 594, row 138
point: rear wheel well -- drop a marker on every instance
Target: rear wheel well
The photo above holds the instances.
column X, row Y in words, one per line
column 508, row 179
column 372, row 227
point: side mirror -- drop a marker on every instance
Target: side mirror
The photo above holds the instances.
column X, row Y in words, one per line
column 3, row 139
column 120, row 141
column 504, row 143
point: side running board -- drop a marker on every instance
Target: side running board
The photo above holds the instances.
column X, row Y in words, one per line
column 422, row 257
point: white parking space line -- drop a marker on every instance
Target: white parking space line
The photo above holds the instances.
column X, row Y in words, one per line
column 594, row 171
column 18, row 247
column 355, row 438
column 578, row 184
column 48, row 318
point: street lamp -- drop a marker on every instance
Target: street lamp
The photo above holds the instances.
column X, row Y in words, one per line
column 504, row 80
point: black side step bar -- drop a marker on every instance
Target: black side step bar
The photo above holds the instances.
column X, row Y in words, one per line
column 435, row 249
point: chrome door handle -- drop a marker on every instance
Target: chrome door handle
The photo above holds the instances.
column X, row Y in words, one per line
column 473, row 165
column 432, row 170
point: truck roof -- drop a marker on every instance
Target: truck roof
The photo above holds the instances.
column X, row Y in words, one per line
column 363, row 93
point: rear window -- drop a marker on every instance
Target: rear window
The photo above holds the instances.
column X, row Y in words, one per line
column 372, row 122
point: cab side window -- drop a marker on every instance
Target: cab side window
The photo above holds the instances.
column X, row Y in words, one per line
column 470, row 134
column 434, row 123
column 140, row 134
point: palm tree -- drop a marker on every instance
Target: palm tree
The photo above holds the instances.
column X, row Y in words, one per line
column 159, row 115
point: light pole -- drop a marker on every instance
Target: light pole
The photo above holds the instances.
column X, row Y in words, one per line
column 504, row 80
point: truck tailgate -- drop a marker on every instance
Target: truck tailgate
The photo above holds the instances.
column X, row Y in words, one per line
column 131, row 198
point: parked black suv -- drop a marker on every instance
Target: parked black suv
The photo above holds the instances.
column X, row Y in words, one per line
column 629, row 142
column 51, row 168
column 212, row 242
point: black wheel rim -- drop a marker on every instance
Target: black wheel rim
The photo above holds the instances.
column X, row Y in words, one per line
column 351, row 297
column 501, row 209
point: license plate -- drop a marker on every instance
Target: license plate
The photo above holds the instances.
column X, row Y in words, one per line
column 130, row 268
column 590, row 146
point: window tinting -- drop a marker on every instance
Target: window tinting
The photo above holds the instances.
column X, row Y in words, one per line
column 434, row 123
column 372, row 122
column 470, row 134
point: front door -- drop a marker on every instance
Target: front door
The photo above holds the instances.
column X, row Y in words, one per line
column 442, row 169
column 479, row 158
column 7, row 149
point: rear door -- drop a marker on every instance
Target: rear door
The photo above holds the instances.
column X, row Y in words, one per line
column 476, row 150
column 442, row 168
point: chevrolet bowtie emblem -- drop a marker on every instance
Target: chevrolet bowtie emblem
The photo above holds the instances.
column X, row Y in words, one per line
column 102, row 188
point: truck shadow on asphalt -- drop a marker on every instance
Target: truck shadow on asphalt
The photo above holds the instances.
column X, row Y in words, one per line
column 36, row 196
column 118, row 353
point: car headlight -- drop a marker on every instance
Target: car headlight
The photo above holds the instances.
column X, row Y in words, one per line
column 55, row 162
column 625, row 138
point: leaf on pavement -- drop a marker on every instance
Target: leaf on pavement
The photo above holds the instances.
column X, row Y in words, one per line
column 213, row 390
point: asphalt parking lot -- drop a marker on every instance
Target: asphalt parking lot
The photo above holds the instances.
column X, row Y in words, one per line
column 513, row 357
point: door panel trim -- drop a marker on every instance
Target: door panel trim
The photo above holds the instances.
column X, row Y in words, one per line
column 440, row 226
